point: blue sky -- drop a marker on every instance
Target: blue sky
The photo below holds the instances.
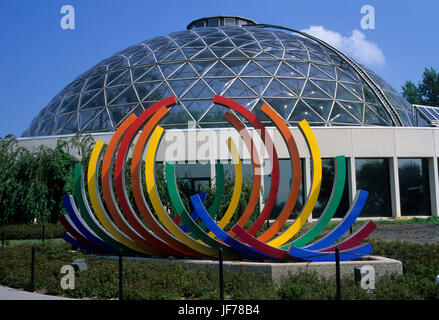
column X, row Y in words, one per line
column 38, row 58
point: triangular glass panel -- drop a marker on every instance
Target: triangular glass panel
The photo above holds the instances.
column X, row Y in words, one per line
column 117, row 62
column 345, row 94
column 270, row 66
column 276, row 53
column 180, row 86
column 355, row 89
column 118, row 113
column 138, row 110
column 299, row 54
column 225, row 43
column 282, row 106
column 327, row 86
column 340, row 115
column 319, row 56
column 347, row 75
column 302, row 111
column 211, row 40
column 258, row 113
column 70, row 126
column 46, row 127
column 201, row 66
column 252, row 69
column 328, row 69
column 379, row 110
column 86, row 115
column 100, row 123
column 312, row 91
column 139, row 71
column 92, row 99
column 113, row 92
column 317, row 73
column 205, row 54
column 253, row 46
column 197, row 108
column 221, row 52
column 218, row 85
column 161, row 92
column 169, row 68
column 149, row 59
column 145, row 88
column 69, row 104
column 141, row 54
column 127, row 96
column 236, row 65
column 250, row 53
column 198, row 43
column 113, row 75
column 153, row 74
column 356, row 108
column 176, row 56
column 185, row 72
column 293, row 44
column 276, row 89
column 286, row 71
column 241, row 42
column 246, row 103
column 162, row 54
column 301, row 67
column 239, row 89
column 236, row 53
column 199, row 90
column 276, row 44
column 177, row 114
column 215, row 114
column 322, row 107
column 243, row 36
column 371, row 118
column 95, row 82
column 258, row 84
column 62, row 119
column 219, row 70
column 369, row 96
column 190, row 52
column 293, row 84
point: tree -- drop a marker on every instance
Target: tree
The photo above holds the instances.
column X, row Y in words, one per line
column 427, row 90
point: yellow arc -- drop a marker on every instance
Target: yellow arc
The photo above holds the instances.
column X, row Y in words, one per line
column 97, row 204
column 156, row 203
column 314, row 192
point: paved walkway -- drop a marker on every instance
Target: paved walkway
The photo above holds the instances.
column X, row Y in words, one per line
column 14, row 294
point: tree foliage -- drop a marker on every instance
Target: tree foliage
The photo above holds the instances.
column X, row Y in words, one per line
column 427, row 90
column 32, row 183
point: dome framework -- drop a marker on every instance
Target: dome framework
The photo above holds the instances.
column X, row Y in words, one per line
column 299, row 76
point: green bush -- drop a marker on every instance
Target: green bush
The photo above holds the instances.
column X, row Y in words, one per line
column 177, row 281
column 33, row 231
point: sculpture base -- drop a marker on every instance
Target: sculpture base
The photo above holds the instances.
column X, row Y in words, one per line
column 277, row 270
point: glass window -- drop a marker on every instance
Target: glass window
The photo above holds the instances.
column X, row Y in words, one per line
column 213, row 23
column 229, row 21
column 373, row 176
column 328, row 171
column 200, row 24
column 414, row 187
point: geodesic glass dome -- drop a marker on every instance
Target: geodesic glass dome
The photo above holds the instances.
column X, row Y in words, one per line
column 299, row 76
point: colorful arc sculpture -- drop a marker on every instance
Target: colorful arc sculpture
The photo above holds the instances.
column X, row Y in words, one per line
column 110, row 223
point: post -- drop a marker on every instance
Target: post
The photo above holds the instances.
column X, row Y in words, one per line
column 337, row 272
column 120, row 276
column 221, row 274
column 32, row 271
column 3, row 238
column 43, row 232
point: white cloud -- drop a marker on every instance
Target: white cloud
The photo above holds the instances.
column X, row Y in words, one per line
column 356, row 46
